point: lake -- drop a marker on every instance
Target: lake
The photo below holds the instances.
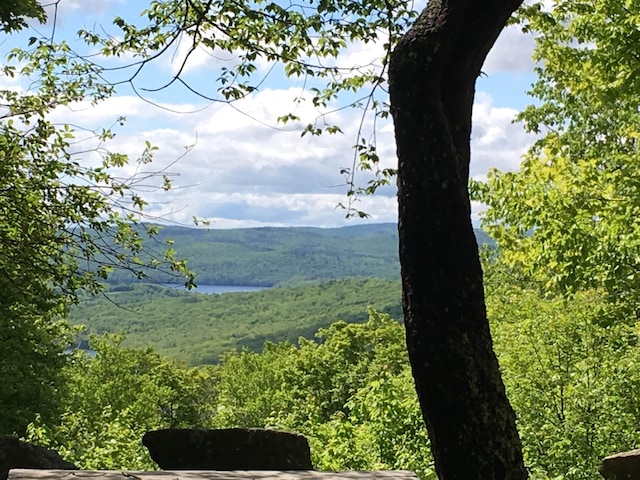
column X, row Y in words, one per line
column 216, row 289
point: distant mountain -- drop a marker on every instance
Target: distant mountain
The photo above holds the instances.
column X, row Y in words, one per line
column 270, row 256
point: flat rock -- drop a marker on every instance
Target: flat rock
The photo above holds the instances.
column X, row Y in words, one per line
column 228, row 449
column 621, row 466
column 15, row 453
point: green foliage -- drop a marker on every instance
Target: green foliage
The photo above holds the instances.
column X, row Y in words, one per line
column 383, row 430
column 254, row 386
column 569, row 218
column 113, row 399
column 571, row 377
column 566, row 225
column 32, row 355
column 199, row 328
column 13, row 14
column 270, row 256
column 350, row 393
column 57, row 211
column 274, row 256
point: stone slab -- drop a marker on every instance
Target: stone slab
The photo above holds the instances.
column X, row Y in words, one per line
column 228, row 449
column 621, row 466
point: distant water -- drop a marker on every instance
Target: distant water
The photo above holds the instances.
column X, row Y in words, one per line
column 216, row 289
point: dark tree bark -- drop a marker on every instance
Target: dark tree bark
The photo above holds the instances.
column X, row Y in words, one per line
column 432, row 83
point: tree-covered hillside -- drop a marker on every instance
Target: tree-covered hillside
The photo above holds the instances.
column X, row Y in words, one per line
column 335, row 274
column 270, row 256
column 198, row 328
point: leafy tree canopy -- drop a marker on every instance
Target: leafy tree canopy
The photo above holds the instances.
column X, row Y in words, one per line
column 13, row 14
column 350, row 391
column 111, row 400
column 569, row 218
column 62, row 195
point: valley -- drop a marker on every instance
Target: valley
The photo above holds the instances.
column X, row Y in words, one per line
column 316, row 277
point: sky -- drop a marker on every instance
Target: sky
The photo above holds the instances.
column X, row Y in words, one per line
column 235, row 166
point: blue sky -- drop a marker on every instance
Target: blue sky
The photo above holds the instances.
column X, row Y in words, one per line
column 241, row 172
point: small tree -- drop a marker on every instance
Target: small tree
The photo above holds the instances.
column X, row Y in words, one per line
column 64, row 224
column 569, row 218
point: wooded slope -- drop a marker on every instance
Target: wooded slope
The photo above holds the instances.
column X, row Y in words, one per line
column 270, row 256
column 198, row 328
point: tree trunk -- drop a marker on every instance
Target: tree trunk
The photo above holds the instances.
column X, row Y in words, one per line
column 432, row 82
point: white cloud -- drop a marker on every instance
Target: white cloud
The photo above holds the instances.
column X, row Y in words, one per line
column 363, row 55
column 241, row 172
column 184, row 58
column 511, row 52
column 243, row 209
column 496, row 141
column 12, row 84
column 62, row 11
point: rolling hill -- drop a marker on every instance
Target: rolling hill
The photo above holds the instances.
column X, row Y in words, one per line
column 271, row 256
